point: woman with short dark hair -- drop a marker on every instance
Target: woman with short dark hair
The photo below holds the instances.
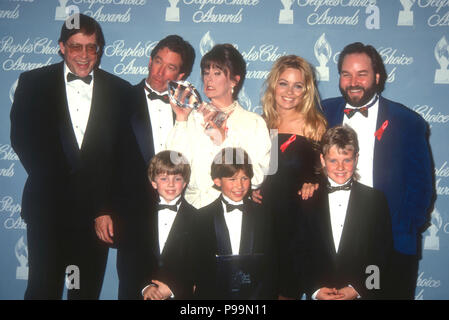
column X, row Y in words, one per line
column 223, row 72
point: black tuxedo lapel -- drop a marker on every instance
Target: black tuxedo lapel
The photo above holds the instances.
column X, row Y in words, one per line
column 97, row 107
column 349, row 235
column 221, row 230
column 67, row 134
column 154, row 223
column 175, row 231
column 326, row 225
column 141, row 124
column 248, row 229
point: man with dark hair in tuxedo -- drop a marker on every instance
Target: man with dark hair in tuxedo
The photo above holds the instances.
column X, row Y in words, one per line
column 64, row 124
column 144, row 130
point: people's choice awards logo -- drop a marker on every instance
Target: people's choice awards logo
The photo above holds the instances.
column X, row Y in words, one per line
column 172, row 12
column 21, row 251
column 286, row 14
column 323, row 52
column 405, row 17
column 432, row 241
column 442, row 56
column 206, row 43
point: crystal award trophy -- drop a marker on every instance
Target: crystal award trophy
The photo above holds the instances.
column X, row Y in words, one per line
column 184, row 95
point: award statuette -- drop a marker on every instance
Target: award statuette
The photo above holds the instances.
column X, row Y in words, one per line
column 184, row 95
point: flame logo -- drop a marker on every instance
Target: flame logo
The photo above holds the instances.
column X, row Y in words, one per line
column 13, row 90
column 206, row 43
column 436, row 219
column 244, row 100
column 21, row 251
column 442, row 52
column 407, row 4
column 246, row 103
column 322, row 50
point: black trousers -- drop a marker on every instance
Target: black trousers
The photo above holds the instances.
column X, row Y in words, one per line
column 402, row 276
column 53, row 251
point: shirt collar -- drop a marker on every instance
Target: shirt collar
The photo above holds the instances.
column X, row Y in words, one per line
column 147, row 86
column 231, row 201
column 334, row 184
column 162, row 200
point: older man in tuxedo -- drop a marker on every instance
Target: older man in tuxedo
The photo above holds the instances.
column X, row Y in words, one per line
column 395, row 156
column 143, row 133
column 64, row 123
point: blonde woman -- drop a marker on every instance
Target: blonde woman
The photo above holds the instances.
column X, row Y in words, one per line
column 291, row 105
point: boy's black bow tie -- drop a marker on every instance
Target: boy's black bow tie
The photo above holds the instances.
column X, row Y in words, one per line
column 172, row 207
column 346, row 186
column 230, row 207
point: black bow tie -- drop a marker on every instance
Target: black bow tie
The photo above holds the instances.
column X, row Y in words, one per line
column 349, row 112
column 172, row 207
column 87, row 79
column 230, row 207
column 153, row 95
column 346, row 186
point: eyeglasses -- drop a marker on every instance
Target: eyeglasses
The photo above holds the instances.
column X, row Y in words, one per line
column 78, row 48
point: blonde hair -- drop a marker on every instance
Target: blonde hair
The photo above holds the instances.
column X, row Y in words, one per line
column 314, row 121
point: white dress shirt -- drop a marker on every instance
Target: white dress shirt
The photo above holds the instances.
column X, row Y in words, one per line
column 234, row 223
column 338, row 205
column 161, row 117
column 365, row 127
column 79, row 99
column 165, row 221
column 246, row 130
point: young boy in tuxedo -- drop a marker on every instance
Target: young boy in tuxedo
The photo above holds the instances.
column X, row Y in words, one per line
column 233, row 233
column 344, row 236
column 169, row 266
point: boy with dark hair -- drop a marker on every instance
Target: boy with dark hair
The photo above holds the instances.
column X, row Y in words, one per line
column 344, row 237
column 167, row 268
column 234, row 258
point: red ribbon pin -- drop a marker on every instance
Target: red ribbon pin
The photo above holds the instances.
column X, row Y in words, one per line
column 378, row 134
column 287, row 143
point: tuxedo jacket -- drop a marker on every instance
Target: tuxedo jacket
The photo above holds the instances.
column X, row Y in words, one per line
column 66, row 184
column 134, row 194
column 402, row 167
column 212, row 238
column 174, row 265
column 366, row 240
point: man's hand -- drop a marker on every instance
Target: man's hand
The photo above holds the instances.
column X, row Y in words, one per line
column 307, row 190
column 104, row 228
column 349, row 293
column 216, row 134
column 181, row 113
column 329, row 294
column 256, row 196
column 159, row 292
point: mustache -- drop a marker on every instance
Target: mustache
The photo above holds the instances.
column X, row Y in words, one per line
column 355, row 88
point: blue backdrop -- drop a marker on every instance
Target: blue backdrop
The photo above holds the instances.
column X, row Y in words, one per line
column 411, row 36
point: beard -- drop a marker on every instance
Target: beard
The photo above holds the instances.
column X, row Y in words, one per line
column 368, row 94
